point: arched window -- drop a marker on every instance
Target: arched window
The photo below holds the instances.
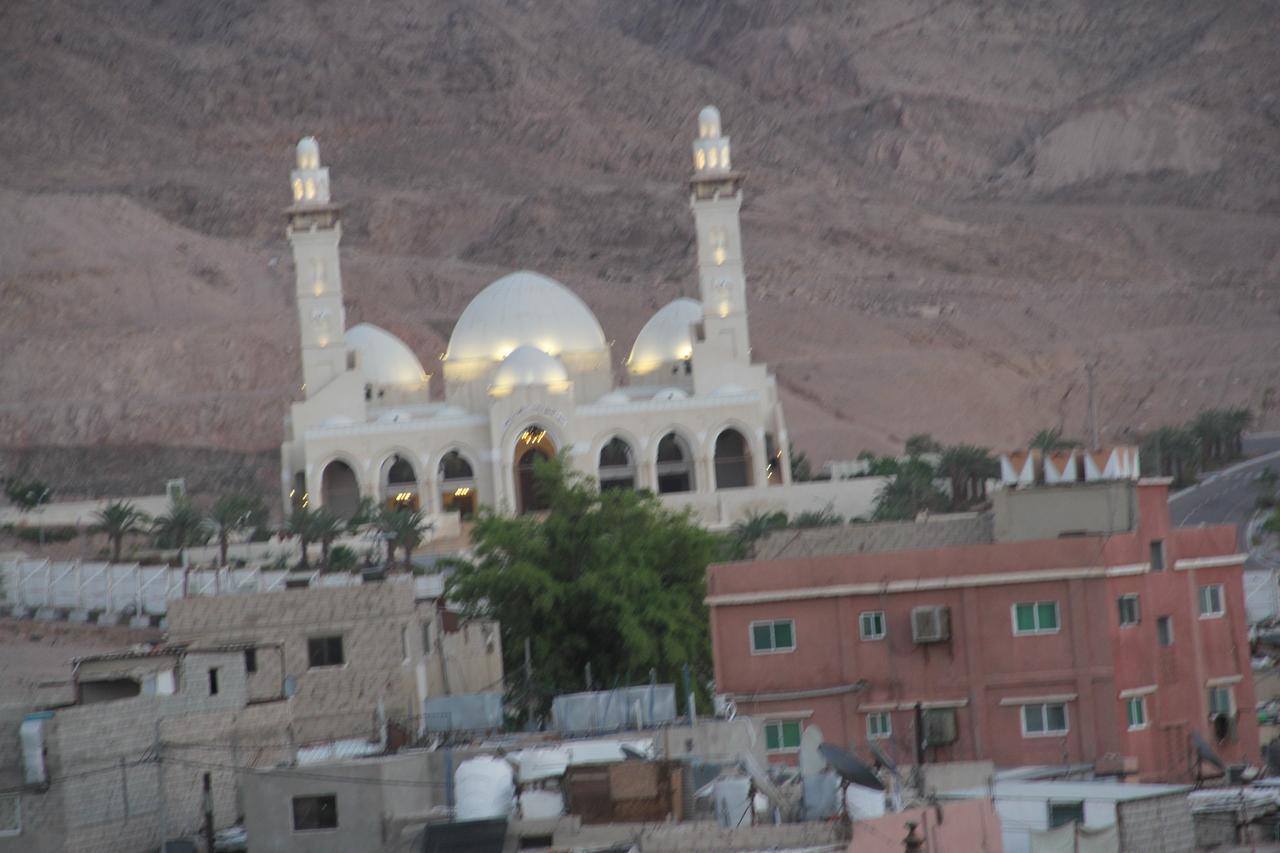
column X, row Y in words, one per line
column 675, row 465
column 617, row 465
column 400, row 489
column 457, row 484
column 339, row 489
column 733, row 460
column 533, row 444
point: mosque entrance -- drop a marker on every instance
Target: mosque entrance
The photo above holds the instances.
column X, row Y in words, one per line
column 457, row 484
column 401, row 484
column 533, row 444
column 339, row 489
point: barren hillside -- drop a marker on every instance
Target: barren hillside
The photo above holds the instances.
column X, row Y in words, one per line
column 952, row 206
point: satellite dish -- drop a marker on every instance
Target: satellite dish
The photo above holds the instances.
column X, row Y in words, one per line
column 884, row 760
column 850, row 769
column 810, row 758
column 1205, row 752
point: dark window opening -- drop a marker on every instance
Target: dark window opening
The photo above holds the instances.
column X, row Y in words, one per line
column 325, row 651
column 213, row 682
column 1157, row 556
column 319, row 812
column 250, row 660
column 1061, row 814
column 1164, row 630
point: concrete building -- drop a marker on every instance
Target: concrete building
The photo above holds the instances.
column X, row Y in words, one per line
column 127, row 761
column 1083, row 626
column 528, row 373
column 344, row 652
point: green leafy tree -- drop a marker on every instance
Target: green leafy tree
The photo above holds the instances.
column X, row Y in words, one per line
column 910, row 492
column 326, row 526
column 229, row 515
column 613, row 579
column 366, row 513
column 117, row 520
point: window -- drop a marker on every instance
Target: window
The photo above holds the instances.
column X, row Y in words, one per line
column 1136, row 708
column 250, row 660
column 325, row 651
column 1061, row 814
column 781, row 735
column 879, row 725
column 213, row 682
column 10, row 814
column 1221, row 701
column 871, row 625
column 1049, row 718
column 1035, row 617
column 1130, row 613
column 404, row 643
column 426, row 638
column 1211, row 601
column 776, row 636
column 1164, row 630
column 1157, row 556
column 320, row 812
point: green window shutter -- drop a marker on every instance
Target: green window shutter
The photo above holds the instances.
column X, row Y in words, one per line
column 791, row 734
column 1033, row 717
column 771, row 736
column 1025, row 617
column 761, row 637
column 1055, row 717
column 782, row 635
column 1048, row 613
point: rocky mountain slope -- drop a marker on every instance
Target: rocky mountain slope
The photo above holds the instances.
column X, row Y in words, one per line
column 952, row 206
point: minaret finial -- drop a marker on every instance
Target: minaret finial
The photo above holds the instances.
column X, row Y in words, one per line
column 310, row 180
column 710, row 149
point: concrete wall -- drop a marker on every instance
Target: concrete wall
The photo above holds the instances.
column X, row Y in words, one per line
column 1047, row 512
column 846, row 498
column 971, row 826
column 986, row 672
column 1158, row 823
column 712, row 740
column 698, row 836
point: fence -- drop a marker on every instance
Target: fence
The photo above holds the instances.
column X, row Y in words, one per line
column 84, row 587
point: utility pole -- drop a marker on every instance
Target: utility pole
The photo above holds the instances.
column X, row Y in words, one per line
column 528, row 681
column 1093, row 408
column 208, row 811
column 164, row 811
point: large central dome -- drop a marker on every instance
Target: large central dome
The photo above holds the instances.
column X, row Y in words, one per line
column 524, row 308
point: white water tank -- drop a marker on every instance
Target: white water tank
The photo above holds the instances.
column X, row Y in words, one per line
column 534, row 765
column 485, row 789
column 863, row 803
column 733, row 801
column 541, row 805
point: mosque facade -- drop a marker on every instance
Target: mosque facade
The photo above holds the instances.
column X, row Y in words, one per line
column 528, row 373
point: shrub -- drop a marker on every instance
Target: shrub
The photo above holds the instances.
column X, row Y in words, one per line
column 341, row 559
column 50, row 534
column 817, row 518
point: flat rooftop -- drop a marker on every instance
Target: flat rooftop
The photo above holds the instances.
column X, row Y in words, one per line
column 1106, row 791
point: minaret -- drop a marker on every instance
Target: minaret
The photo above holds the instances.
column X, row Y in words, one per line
column 716, row 196
column 314, row 232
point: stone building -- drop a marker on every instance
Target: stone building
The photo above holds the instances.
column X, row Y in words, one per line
column 528, row 374
column 131, row 756
column 343, row 652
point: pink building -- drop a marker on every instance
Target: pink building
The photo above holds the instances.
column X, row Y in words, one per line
column 1074, row 624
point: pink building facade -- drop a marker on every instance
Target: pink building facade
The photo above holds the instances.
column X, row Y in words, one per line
column 1042, row 651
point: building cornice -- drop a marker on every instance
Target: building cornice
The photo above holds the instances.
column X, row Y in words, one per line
column 927, row 584
column 1209, row 562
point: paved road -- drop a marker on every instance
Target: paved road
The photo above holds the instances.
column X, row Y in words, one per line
column 1228, row 496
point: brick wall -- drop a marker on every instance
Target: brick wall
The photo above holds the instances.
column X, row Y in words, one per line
column 1158, row 823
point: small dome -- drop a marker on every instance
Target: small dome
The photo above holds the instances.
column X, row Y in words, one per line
column 308, row 153
column 384, row 358
column 668, row 336
column 528, row 365
column 671, row 394
column 524, row 308
column 709, row 122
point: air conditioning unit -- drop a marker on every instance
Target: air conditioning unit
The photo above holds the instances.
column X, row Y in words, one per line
column 940, row 726
column 725, row 707
column 930, row 624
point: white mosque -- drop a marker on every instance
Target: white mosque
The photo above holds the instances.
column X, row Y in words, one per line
column 528, row 373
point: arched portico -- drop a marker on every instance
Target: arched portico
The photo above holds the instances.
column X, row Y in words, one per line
column 340, row 488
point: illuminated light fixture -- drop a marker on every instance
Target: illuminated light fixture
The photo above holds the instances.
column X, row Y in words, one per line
column 699, row 159
column 530, row 436
column 461, row 493
column 685, row 353
column 711, row 158
column 719, row 255
column 292, row 492
column 724, row 310
column 297, row 189
column 504, row 350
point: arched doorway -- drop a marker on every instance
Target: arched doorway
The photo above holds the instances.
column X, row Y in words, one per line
column 675, row 465
column 339, row 489
column 733, row 460
column 400, row 484
column 457, row 484
column 617, row 465
column 532, row 445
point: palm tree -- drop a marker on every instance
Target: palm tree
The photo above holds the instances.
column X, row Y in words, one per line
column 910, row 492
column 967, row 467
column 302, row 523
column 326, row 526
column 230, row 515
column 404, row 529
column 117, row 520
column 921, row 443
column 1210, row 427
column 1172, row 452
column 1236, row 421
column 179, row 528
column 1049, row 440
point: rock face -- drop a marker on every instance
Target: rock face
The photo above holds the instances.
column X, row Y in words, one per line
column 951, row 208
